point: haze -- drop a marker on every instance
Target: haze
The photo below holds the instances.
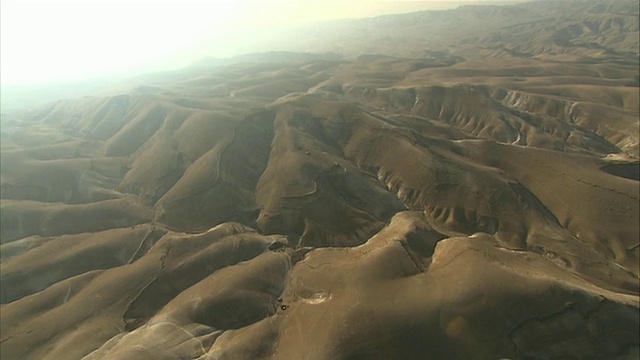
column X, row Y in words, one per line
column 54, row 41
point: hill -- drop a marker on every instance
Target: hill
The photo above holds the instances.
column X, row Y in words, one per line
column 455, row 185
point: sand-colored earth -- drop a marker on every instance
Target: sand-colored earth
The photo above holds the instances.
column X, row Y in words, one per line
column 478, row 201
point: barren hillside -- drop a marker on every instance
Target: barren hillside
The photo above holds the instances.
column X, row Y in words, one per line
column 451, row 185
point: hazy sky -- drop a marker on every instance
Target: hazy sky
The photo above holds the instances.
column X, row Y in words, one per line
column 42, row 41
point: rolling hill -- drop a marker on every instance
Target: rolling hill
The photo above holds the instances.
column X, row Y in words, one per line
column 457, row 184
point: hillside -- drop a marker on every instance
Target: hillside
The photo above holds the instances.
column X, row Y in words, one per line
column 457, row 184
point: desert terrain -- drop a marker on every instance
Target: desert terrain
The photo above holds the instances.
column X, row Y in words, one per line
column 458, row 184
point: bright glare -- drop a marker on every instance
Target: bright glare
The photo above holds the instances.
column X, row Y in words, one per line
column 50, row 41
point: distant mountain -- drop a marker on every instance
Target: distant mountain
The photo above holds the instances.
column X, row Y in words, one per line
column 556, row 29
column 284, row 57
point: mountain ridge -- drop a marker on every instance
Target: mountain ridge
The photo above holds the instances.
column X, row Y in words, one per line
column 463, row 203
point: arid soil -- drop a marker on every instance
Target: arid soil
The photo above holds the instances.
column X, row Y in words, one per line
column 434, row 191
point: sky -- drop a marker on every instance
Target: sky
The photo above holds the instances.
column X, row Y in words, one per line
column 50, row 41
